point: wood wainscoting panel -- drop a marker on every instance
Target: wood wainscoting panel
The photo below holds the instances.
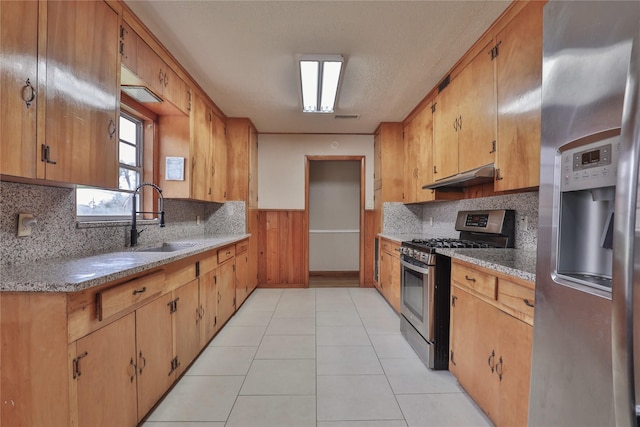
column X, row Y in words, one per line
column 282, row 251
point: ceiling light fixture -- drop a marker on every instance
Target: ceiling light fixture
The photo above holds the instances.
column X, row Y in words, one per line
column 319, row 78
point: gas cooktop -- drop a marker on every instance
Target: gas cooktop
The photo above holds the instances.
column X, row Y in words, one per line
column 478, row 229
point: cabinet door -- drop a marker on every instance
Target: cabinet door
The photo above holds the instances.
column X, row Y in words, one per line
column 208, row 304
column 519, row 76
column 418, row 156
column 513, row 370
column 473, row 340
column 201, row 118
column 154, row 352
column 106, row 377
column 186, row 324
column 129, row 47
column 253, row 167
column 226, row 286
column 82, row 93
column 219, row 160
column 242, row 277
column 18, row 86
column 393, row 291
column 150, row 68
column 477, row 112
column 175, row 89
column 410, row 166
column 445, row 135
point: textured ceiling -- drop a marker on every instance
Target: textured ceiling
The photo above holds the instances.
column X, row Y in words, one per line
column 243, row 53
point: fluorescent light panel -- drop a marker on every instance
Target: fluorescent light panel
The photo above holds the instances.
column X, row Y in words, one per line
column 320, row 76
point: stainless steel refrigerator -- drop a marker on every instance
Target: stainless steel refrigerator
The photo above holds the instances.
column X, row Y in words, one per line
column 584, row 372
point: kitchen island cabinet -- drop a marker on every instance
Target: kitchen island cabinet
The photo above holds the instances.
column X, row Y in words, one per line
column 491, row 339
column 104, row 355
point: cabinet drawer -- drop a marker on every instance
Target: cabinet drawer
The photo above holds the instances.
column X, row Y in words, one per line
column 241, row 247
column 478, row 281
column 209, row 262
column 391, row 248
column 179, row 276
column 226, row 253
column 121, row 297
column 518, row 297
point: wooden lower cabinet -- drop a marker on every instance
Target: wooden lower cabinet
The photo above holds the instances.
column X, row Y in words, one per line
column 100, row 357
column 105, row 372
column 490, row 349
column 242, row 277
column 389, row 274
column 208, row 306
column 186, row 324
column 154, row 352
column 226, row 287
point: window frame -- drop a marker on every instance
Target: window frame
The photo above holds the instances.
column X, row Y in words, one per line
column 146, row 134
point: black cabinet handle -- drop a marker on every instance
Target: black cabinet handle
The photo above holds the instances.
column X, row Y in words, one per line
column 528, row 303
column 140, row 291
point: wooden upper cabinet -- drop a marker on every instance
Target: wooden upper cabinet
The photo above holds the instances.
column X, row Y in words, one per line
column 18, row 86
column 128, row 47
column 445, row 136
column 519, row 76
column 219, row 160
column 477, row 112
column 464, row 119
column 242, row 161
column 418, row 148
column 200, row 156
column 82, row 62
column 144, row 66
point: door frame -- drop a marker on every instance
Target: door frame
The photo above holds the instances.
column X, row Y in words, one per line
column 308, row 160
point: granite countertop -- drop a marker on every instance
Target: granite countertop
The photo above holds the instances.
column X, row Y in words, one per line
column 77, row 274
column 519, row 263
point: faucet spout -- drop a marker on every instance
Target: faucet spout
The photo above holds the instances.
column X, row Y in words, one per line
column 134, row 212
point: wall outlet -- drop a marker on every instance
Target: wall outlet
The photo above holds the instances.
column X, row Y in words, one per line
column 197, row 219
column 25, row 221
column 430, row 221
column 525, row 223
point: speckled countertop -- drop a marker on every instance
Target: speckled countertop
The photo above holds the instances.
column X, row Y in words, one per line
column 514, row 262
column 72, row 275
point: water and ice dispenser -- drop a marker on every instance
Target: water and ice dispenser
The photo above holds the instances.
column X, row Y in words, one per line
column 588, row 173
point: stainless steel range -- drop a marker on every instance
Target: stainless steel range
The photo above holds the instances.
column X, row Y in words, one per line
column 425, row 280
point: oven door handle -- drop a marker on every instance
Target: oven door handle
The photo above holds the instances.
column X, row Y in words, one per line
column 416, row 268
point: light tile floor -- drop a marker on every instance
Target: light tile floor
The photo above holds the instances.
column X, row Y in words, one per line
column 317, row 357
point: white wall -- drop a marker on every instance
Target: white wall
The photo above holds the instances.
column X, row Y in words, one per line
column 334, row 216
column 281, row 163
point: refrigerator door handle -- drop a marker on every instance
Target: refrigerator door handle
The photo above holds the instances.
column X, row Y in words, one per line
column 623, row 249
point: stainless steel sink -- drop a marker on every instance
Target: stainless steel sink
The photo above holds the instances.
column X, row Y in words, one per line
column 169, row 247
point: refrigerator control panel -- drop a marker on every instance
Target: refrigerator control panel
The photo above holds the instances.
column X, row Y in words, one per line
column 588, row 166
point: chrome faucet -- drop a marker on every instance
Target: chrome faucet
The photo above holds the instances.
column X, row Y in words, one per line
column 134, row 232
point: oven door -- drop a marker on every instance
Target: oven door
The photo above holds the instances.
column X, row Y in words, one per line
column 417, row 293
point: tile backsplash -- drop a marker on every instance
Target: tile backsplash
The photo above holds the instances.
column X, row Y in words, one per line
column 58, row 235
column 438, row 219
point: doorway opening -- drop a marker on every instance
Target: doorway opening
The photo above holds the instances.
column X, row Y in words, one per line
column 335, row 219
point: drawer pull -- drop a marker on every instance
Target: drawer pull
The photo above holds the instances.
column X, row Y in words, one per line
column 471, row 279
column 528, row 303
column 140, row 291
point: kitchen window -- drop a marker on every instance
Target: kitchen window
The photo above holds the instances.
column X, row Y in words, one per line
column 99, row 204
